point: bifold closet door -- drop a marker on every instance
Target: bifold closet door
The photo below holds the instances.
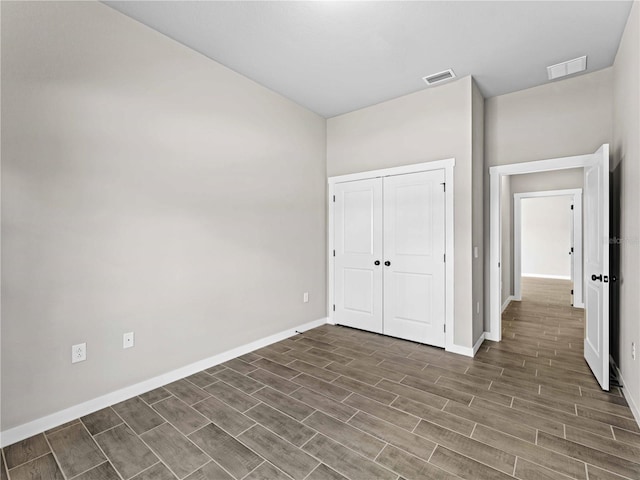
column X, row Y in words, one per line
column 414, row 263
column 358, row 246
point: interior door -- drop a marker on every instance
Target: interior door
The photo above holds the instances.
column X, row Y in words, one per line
column 596, row 262
column 414, row 246
column 358, row 254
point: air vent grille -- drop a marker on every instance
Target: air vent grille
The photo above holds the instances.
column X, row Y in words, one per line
column 439, row 77
column 567, row 68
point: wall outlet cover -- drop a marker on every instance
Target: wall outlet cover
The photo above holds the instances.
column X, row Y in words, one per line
column 79, row 353
column 128, row 340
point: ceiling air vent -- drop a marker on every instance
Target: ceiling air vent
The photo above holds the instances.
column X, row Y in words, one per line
column 567, row 68
column 439, row 77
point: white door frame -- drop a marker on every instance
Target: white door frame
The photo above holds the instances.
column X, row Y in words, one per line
column 495, row 246
column 446, row 165
column 576, row 194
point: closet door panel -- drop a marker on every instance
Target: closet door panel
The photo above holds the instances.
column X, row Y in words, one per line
column 358, row 242
column 414, row 245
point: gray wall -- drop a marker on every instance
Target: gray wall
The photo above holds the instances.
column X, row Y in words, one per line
column 145, row 188
column 626, row 168
column 432, row 124
column 477, row 166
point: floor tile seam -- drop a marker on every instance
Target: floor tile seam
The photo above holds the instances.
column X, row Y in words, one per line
column 27, row 462
column 107, row 459
column 157, row 455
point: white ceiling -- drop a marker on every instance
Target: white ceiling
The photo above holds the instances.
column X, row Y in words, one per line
column 336, row 57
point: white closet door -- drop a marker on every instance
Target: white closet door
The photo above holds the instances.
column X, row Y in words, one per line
column 358, row 242
column 414, row 264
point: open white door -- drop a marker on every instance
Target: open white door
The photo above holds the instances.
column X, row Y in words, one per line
column 596, row 265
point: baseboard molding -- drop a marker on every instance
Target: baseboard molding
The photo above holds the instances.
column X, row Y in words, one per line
column 466, row 351
column 555, row 277
column 632, row 404
column 506, row 303
column 34, row 427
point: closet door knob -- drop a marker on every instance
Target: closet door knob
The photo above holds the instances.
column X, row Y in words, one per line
column 377, row 262
column 387, row 263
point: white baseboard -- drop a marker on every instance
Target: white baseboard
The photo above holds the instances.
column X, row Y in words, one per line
column 506, row 303
column 555, row 277
column 21, row 432
column 632, row 404
column 466, row 351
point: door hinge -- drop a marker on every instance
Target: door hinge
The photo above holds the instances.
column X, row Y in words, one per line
column 571, row 249
column 334, row 308
column 571, row 292
column 334, row 253
column 444, row 258
column 498, row 264
column 445, row 328
column 571, row 207
column 444, row 186
column 334, row 199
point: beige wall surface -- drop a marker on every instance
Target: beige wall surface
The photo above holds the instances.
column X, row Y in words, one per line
column 557, row 119
column 626, row 167
column 478, row 174
column 145, row 188
column 432, row 124
column 506, row 232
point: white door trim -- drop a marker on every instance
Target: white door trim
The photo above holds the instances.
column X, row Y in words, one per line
column 576, row 193
column 447, row 165
column 495, row 247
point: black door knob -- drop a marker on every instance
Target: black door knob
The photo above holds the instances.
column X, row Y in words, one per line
column 377, row 262
column 596, row 277
column 387, row 263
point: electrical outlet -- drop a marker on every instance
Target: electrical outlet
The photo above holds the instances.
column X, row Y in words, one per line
column 79, row 353
column 633, row 350
column 128, row 340
column 305, row 297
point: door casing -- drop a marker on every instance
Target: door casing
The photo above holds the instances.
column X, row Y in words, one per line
column 447, row 165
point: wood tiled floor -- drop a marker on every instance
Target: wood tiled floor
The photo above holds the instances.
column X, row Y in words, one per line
column 337, row 403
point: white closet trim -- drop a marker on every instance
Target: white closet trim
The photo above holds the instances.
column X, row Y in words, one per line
column 446, row 165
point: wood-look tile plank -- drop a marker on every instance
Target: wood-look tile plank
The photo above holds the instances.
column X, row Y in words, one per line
column 382, row 411
column 42, row 468
column 276, row 368
column 158, row 472
column 322, row 387
column 333, row 357
column 614, row 447
column 155, row 395
column 274, row 381
column 280, row 424
column 187, row 392
column 435, row 389
column 367, row 364
column 615, row 420
column 313, row 370
column 324, row 404
column 128, row 454
column 75, row 450
column 228, row 452
column 626, row 436
column 138, row 415
column 351, row 437
column 435, row 415
column 101, row 420
column 211, row 471
column 288, row 458
column 175, row 450
column 364, row 376
column 180, row 415
column 239, row 366
column 266, row 471
column 414, row 394
column 102, row 472
column 307, row 358
column 494, row 457
column 526, row 470
column 412, row 443
column 475, row 390
column 590, row 455
column 345, row 461
column 26, row 450
column 224, row 416
column 232, row 396
column 534, row 453
column 410, row 467
column 238, row 380
column 284, row 403
column 464, row 467
column 60, row 427
column 596, row 473
column 201, row 379
column 3, row 470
